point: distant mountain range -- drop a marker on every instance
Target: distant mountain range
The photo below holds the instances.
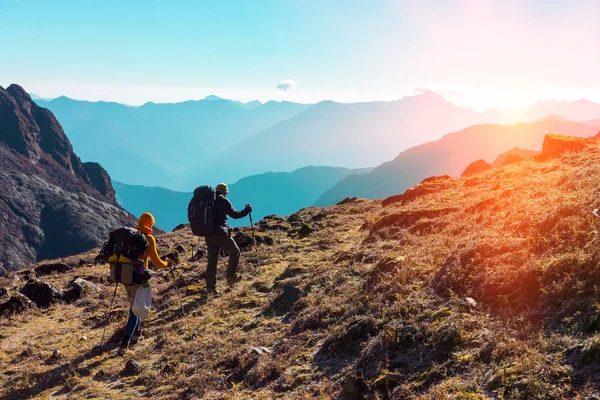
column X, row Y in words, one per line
column 279, row 193
column 182, row 145
column 449, row 156
column 156, row 143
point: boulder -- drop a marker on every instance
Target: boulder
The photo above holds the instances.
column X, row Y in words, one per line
column 476, row 167
column 347, row 200
column 555, row 145
column 79, row 288
column 305, row 230
column 201, row 252
column 43, row 294
column 180, row 248
column 273, row 223
column 180, row 227
column 55, row 268
column 246, row 241
column 295, row 219
column 133, row 367
column 17, row 304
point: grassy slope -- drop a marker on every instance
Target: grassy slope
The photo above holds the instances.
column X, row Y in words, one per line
column 383, row 311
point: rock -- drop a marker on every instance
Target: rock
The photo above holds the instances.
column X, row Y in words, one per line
column 353, row 388
column 555, row 145
column 17, row 304
column 318, row 217
column 180, row 249
column 201, row 252
column 180, row 227
column 48, row 269
column 56, row 354
column 273, row 223
column 132, row 367
column 173, row 255
column 259, row 350
column 51, row 196
column 42, row 294
column 3, row 272
column 246, row 241
column 79, row 288
column 83, row 338
column 470, row 302
column 3, row 291
column 295, row 219
column 305, row 230
column 347, row 200
column 476, row 167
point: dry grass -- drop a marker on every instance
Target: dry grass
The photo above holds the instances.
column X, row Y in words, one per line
column 382, row 312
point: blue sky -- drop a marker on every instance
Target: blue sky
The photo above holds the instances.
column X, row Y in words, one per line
column 476, row 52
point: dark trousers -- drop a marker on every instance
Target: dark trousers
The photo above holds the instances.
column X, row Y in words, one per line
column 214, row 244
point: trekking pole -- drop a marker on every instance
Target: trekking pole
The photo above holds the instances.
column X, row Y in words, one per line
column 177, row 289
column 109, row 310
column 254, row 238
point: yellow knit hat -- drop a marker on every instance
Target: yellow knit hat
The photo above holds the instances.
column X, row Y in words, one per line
column 146, row 219
column 222, row 188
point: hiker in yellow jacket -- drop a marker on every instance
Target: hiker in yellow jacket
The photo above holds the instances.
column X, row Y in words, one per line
column 145, row 224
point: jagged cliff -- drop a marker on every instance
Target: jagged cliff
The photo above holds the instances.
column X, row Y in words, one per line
column 51, row 204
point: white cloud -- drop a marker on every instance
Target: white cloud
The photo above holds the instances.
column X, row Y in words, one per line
column 286, row 84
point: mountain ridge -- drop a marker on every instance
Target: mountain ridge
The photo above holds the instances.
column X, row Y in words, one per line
column 52, row 203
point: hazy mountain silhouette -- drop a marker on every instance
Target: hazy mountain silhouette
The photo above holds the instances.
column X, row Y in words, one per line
column 352, row 135
column 519, row 153
column 181, row 144
column 165, row 138
column 279, row 193
column 448, row 156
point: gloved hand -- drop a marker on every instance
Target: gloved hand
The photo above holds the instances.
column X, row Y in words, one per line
column 248, row 207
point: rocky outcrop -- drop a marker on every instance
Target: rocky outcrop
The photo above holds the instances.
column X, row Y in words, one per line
column 43, row 294
column 476, row 168
column 555, row 145
column 50, row 207
column 17, row 304
column 100, row 180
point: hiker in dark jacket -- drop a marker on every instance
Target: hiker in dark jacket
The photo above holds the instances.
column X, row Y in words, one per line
column 221, row 239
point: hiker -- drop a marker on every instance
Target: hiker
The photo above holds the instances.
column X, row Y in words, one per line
column 139, row 250
column 221, row 239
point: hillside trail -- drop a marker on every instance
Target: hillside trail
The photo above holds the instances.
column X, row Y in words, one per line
column 180, row 347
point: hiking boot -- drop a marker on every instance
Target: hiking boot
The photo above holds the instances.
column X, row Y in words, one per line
column 232, row 280
column 212, row 293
